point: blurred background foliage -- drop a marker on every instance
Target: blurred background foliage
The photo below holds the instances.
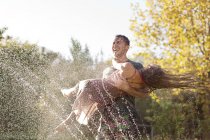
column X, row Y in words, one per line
column 31, row 77
column 176, row 36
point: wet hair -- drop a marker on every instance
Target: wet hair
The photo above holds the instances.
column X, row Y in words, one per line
column 125, row 39
column 155, row 77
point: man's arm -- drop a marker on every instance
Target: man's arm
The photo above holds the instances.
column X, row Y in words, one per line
column 141, row 93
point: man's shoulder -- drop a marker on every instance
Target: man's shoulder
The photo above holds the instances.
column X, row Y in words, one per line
column 137, row 65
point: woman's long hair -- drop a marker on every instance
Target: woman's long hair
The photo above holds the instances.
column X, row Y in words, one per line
column 157, row 78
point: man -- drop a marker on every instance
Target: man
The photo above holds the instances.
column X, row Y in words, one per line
column 120, row 120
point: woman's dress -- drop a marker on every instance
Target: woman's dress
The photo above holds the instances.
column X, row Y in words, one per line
column 92, row 94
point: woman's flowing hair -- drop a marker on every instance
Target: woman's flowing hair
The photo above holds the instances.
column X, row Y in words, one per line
column 155, row 77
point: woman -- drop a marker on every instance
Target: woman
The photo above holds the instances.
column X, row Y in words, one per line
column 94, row 93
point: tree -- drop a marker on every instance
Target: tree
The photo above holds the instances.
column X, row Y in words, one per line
column 2, row 31
column 22, row 84
column 80, row 56
column 178, row 30
column 64, row 73
column 176, row 35
column 31, row 104
column 82, row 63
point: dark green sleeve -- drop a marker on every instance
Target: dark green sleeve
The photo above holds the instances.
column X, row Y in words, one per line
column 137, row 65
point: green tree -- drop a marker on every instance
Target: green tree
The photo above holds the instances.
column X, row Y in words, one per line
column 176, row 35
column 2, row 31
column 80, row 56
column 31, row 104
column 179, row 30
column 63, row 73
column 21, row 80
column 82, row 62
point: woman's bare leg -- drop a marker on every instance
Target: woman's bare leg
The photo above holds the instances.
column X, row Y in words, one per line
column 62, row 126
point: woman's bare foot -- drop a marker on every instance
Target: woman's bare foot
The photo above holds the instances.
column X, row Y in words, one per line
column 68, row 92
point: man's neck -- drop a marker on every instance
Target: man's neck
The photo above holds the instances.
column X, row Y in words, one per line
column 121, row 59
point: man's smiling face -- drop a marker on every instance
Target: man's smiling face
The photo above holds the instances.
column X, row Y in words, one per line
column 119, row 48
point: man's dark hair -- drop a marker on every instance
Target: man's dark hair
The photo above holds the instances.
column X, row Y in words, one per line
column 127, row 41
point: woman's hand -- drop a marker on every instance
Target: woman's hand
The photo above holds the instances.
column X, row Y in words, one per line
column 120, row 82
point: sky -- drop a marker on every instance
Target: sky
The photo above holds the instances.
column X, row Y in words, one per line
column 52, row 23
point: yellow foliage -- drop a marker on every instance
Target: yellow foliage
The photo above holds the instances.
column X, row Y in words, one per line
column 178, row 30
column 155, row 97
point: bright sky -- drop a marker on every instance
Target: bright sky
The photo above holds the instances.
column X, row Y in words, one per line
column 52, row 23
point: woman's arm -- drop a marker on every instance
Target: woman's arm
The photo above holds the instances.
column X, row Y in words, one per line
column 126, row 69
column 122, row 84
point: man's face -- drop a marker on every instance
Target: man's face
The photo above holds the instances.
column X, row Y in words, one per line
column 119, row 48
